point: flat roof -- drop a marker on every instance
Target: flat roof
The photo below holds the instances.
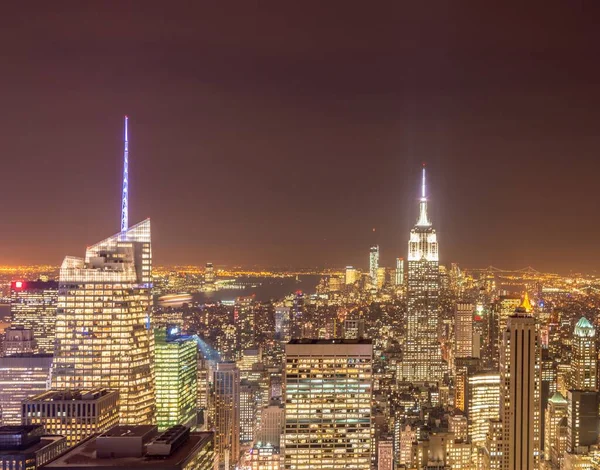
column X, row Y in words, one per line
column 128, row 431
column 72, row 394
column 330, row 341
column 83, row 456
column 43, row 441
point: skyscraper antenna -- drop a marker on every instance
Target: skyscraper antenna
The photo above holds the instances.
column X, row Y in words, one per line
column 125, row 197
column 423, row 184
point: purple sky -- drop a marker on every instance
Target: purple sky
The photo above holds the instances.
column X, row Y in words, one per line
column 282, row 134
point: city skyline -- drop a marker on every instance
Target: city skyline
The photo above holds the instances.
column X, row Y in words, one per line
column 325, row 132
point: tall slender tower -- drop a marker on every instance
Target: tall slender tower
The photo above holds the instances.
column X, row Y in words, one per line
column 584, row 360
column 520, row 392
column 103, row 336
column 422, row 359
column 125, row 196
column 373, row 264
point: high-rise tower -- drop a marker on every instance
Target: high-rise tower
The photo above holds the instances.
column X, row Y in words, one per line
column 520, row 392
column 103, row 336
column 584, row 360
column 422, row 355
column 373, row 265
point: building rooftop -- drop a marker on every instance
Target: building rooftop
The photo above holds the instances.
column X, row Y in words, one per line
column 584, row 328
column 558, row 398
column 24, row 438
column 83, row 456
column 330, row 341
column 72, row 395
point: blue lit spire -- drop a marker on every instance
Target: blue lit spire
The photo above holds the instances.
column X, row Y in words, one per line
column 125, row 197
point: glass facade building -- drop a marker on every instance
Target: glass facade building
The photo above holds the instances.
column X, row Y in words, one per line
column 176, row 378
column 33, row 307
column 103, row 336
column 328, row 391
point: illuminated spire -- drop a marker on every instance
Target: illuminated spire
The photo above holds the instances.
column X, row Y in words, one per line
column 125, row 197
column 423, row 219
column 525, row 304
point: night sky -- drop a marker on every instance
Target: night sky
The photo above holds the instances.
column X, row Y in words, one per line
column 282, row 133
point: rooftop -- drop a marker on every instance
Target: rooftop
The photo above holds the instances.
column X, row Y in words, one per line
column 584, row 328
column 330, row 341
column 83, row 456
column 558, row 399
column 72, row 395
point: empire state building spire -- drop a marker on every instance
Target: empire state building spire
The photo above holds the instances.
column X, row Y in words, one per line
column 423, row 218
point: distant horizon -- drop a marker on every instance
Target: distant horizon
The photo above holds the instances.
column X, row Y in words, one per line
column 299, row 269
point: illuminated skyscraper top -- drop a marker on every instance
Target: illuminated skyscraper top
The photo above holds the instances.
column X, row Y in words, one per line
column 125, row 196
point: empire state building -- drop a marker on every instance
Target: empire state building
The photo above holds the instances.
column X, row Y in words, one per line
column 422, row 359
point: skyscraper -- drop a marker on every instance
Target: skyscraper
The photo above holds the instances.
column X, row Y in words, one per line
column 75, row 414
column 21, row 376
column 33, row 306
column 555, row 412
column 103, row 339
column 520, row 392
column 373, row 265
column 584, row 360
column 227, row 414
column 582, row 420
column 422, row 359
column 483, row 397
column 328, row 392
column 463, row 329
column 351, row 275
column 176, row 378
column 399, row 274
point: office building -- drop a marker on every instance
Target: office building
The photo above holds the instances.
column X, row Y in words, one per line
column 75, row 414
column 556, row 411
column 582, row 420
column 520, row 392
column 373, row 265
column 282, row 324
column 381, row 277
column 385, row 455
column 28, row 447
column 272, row 424
column 19, row 340
column 103, row 335
column 132, row 447
column 33, row 306
column 351, row 276
column 176, row 372
column 250, row 399
column 354, row 328
column 263, row 457
column 463, row 329
column 399, row 274
column 483, row 397
column 227, row 414
column 422, row 361
column 21, row 376
column 328, row 391
column 209, row 274
column 584, row 360
column 493, row 454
